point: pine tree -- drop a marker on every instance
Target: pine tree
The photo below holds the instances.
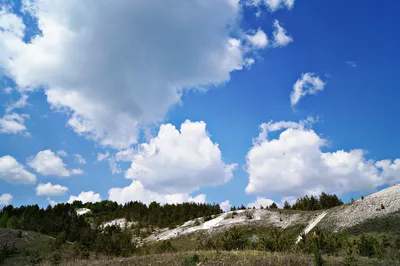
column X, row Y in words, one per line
column 286, row 205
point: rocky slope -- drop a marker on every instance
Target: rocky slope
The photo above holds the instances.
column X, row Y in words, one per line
column 336, row 219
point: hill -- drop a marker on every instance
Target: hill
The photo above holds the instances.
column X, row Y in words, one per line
column 105, row 233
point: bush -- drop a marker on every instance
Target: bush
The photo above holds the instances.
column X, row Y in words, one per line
column 35, row 257
column 367, row 246
column 249, row 215
column 165, row 247
column 191, row 260
column 55, row 259
column 2, row 256
column 233, row 240
column 318, row 260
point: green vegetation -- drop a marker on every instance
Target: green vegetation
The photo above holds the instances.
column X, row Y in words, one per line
column 57, row 236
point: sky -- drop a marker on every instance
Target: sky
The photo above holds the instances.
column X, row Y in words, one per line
column 218, row 101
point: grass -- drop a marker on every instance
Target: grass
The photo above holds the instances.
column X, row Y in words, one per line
column 387, row 224
column 234, row 258
column 29, row 242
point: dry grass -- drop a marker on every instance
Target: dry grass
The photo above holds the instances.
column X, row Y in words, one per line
column 234, row 258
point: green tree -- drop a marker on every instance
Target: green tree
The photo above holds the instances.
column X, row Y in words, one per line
column 273, row 206
column 233, row 239
column 286, row 205
column 318, row 260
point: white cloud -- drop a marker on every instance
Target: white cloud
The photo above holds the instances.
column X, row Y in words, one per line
column 225, row 205
column 273, row 5
column 79, row 159
column 5, row 199
column 351, row 63
column 50, row 190
column 7, row 90
column 280, row 35
column 51, row 202
column 62, row 153
column 137, row 192
column 88, row 196
column 260, row 202
column 133, row 71
column 47, row 163
column 293, row 164
column 259, row 39
column 13, row 172
column 180, row 161
column 308, row 84
column 13, row 124
column 22, row 102
column 125, row 155
column 102, row 156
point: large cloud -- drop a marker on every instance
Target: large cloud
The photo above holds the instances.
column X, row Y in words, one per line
column 5, row 199
column 85, row 197
column 13, row 172
column 293, row 164
column 48, row 163
column 137, row 192
column 13, row 123
column 118, row 66
column 50, row 190
column 180, row 161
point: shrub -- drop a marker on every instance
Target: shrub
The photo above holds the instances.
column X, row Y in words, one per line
column 196, row 222
column 318, row 260
column 233, row 239
column 207, row 245
column 35, row 257
column 55, row 259
column 367, row 246
column 349, row 260
column 191, row 260
column 165, row 247
column 249, row 215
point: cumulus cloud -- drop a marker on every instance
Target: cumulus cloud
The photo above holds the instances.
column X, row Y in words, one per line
column 88, row 196
column 260, row 202
column 13, row 123
column 51, row 201
column 22, row 102
column 13, row 172
column 62, row 153
column 259, row 39
column 5, row 199
column 179, row 161
column 137, row 192
column 7, row 90
column 293, row 164
column 129, row 78
column 102, row 156
column 50, row 190
column 280, row 35
column 308, row 84
column 79, row 159
column 273, row 5
column 48, row 163
column 225, row 205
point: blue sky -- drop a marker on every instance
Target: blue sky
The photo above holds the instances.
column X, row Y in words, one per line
column 106, row 80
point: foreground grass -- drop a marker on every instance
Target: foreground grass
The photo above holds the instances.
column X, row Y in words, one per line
column 234, row 258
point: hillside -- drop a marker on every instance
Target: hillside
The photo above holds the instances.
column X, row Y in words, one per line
column 377, row 205
column 105, row 233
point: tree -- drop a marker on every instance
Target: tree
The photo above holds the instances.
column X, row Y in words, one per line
column 286, row 205
column 233, row 240
column 273, row 206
